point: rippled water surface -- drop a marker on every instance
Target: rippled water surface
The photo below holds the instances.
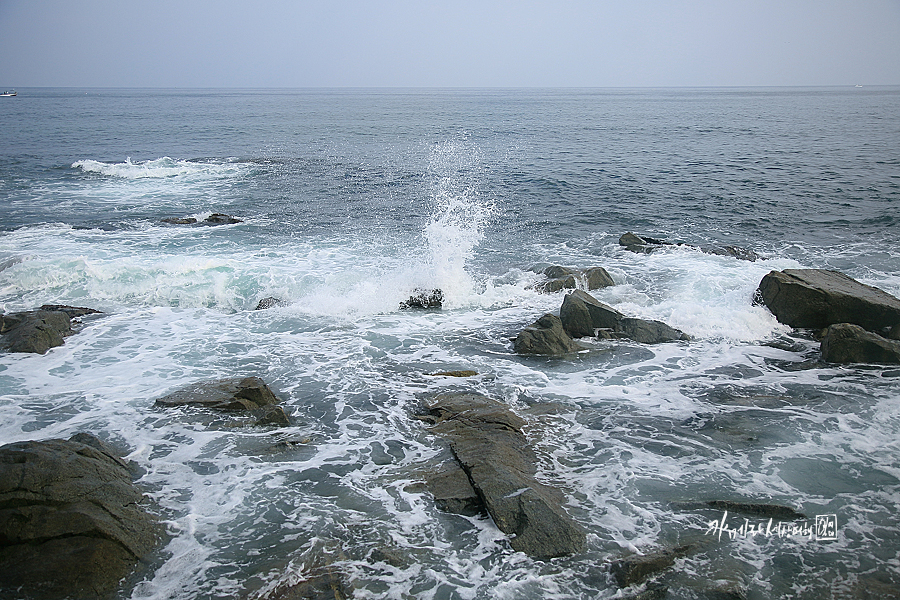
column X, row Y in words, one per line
column 351, row 200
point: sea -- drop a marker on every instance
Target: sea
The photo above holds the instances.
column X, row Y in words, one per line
column 351, row 200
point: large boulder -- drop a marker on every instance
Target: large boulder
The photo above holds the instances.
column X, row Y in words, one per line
column 487, row 440
column 71, row 520
column 646, row 331
column 848, row 343
column 817, row 298
column 545, row 336
column 581, row 315
column 39, row 330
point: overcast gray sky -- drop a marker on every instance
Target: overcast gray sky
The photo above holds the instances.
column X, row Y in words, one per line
column 313, row 43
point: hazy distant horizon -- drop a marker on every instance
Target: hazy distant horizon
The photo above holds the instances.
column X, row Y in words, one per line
column 427, row 44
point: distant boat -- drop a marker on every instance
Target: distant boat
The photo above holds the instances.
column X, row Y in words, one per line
column 8, row 94
column 857, row 85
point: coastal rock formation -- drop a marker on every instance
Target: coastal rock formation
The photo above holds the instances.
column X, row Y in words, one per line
column 640, row 567
column 238, row 393
column 849, row 343
column 39, row 330
column 817, row 298
column 212, row 220
column 424, row 299
column 545, row 336
column 269, row 302
column 488, row 443
column 582, row 315
column 646, row 245
column 71, row 522
column 452, row 490
column 569, row 278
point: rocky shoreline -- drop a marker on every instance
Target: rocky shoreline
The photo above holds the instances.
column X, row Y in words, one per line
column 493, row 467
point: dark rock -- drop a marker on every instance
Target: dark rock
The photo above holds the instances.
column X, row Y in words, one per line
column 581, row 314
column 454, row 374
column 817, row 298
column 220, row 219
column 894, row 333
column 653, row 592
column 320, row 584
column 735, row 251
column 640, row 244
column 71, row 525
column 72, row 311
column 424, row 299
column 272, row 415
column 35, row 331
column 646, row 245
column 179, row 220
column 239, row 393
column 651, row 332
column 452, row 490
column 638, row 568
column 569, row 278
column 774, row 511
column 596, row 278
column 848, row 343
column 545, row 336
column 269, row 302
column 487, row 441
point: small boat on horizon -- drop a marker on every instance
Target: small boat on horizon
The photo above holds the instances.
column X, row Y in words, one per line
column 8, row 94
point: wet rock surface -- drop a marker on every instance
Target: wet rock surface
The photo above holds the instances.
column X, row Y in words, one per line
column 488, row 443
column 545, row 336
column 71, row 520
column 424, row 299
column 848, row 343
column 37, row 331
column 582, row 315
column 571, row 278
column 817, row 298
column 250, row 394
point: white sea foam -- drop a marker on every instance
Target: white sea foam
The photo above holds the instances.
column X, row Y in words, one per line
column 162, row 168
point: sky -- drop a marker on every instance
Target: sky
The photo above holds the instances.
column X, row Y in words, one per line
column 462, row 43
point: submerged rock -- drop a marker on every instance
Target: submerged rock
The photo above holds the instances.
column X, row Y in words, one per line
column 212, row 220
column 424, row 299
column 774, row 511
column 545, row 336
column 651, row 332
column 817, row 298
column 569, row 278
column 71, row 521
column 237, row 393
column 646, row 245
column 249, row 394
column 848, row 343
column 640, row 567
column 454, row 374
column 488, row 443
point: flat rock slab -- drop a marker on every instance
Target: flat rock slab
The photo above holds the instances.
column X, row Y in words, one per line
column 817, row 298
column 37, row 331
column 488, row 443
column 71, row 525
column 237, row 393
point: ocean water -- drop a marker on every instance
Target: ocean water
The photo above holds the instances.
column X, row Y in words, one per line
column 351, row 200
